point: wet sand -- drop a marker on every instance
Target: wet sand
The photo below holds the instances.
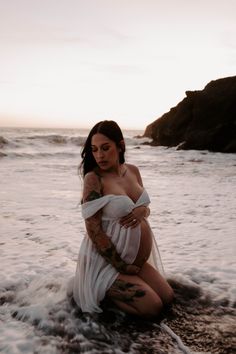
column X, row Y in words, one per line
column 202, row 326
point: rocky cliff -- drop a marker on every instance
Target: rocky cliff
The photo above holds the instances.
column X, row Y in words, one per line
column 203, row 120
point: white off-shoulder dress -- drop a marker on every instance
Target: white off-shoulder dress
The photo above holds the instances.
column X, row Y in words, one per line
column 94, row 276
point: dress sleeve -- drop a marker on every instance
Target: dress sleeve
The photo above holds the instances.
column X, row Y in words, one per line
column 92, row 207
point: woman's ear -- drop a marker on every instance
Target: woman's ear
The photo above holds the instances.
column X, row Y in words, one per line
column 122, row 145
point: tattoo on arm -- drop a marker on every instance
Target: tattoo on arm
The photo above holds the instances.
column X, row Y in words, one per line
column 125, row 291
column 103, row 243
column 105, row 247
column 92, row 187
column 92, row 196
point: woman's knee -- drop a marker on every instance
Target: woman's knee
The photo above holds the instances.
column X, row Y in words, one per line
column 169, row 296
column 152, row 307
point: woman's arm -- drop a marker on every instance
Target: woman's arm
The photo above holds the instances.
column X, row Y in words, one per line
column 103, row 243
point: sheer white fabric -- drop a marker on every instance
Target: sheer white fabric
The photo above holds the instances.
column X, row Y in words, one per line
column 94, row 276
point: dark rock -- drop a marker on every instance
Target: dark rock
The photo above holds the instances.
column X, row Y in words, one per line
column 203, row 120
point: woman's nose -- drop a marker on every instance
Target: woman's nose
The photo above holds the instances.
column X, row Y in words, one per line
column 100, row 153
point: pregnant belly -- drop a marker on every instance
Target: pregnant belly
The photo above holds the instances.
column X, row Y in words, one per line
column 145, row 244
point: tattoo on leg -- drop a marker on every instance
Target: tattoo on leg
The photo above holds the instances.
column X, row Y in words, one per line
column 125, row 291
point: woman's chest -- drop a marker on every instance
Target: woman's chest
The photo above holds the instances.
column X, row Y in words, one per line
column 128, row 187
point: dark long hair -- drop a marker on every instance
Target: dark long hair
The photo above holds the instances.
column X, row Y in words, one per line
column 112, row 131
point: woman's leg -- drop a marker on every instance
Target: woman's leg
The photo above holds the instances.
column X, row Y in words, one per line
column 132, row 295
column 154, row 279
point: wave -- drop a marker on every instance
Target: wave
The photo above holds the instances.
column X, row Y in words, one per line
column 34, row 155
column 193, row 324
column 56, row 139
column 3, row 141
column 47, row 145
column 50, row 139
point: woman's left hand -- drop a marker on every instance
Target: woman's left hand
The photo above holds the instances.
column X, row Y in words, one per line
column 134, row 218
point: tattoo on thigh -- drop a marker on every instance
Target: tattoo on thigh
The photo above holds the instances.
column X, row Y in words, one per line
column 125, row 291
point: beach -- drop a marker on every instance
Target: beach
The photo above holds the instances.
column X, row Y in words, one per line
column 193, row 203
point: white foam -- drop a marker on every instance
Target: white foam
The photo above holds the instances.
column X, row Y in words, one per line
column 192, row 214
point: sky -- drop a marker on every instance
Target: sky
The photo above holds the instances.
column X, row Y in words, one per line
column 72, row 63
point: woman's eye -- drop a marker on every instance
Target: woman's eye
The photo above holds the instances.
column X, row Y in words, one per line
column 105, row 148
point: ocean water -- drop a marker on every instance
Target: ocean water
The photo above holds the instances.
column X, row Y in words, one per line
column 193, row 203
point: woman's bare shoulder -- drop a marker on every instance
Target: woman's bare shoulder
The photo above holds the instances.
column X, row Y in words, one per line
column 92, row 186
column 91, row 177
column 132, row 168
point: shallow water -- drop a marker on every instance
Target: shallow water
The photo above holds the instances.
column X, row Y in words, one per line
column 193, row 202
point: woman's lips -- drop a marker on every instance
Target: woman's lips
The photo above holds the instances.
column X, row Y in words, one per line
column 102, row 163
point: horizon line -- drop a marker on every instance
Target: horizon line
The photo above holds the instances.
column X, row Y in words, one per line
column 55, row 127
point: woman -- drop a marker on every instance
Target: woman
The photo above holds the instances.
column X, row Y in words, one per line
column 116, row 254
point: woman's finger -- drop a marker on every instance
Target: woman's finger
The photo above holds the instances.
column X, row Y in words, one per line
column 132, row 223
column 127, row 218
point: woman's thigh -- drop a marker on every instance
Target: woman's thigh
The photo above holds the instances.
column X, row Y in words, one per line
column 155, row 280
column 133, row 295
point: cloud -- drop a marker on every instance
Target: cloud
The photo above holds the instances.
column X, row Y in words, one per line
column 115, row 34
column 120, row 69
column 41, row 37
column 228, row 39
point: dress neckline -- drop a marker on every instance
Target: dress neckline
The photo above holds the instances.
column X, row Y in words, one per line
column 126, row 196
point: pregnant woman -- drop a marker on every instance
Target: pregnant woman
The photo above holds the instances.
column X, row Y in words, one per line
column 118, row 257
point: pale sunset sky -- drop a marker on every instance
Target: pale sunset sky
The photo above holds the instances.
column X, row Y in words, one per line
column 71, row 63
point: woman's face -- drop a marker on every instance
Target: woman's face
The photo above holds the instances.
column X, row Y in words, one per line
column 105, row 151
